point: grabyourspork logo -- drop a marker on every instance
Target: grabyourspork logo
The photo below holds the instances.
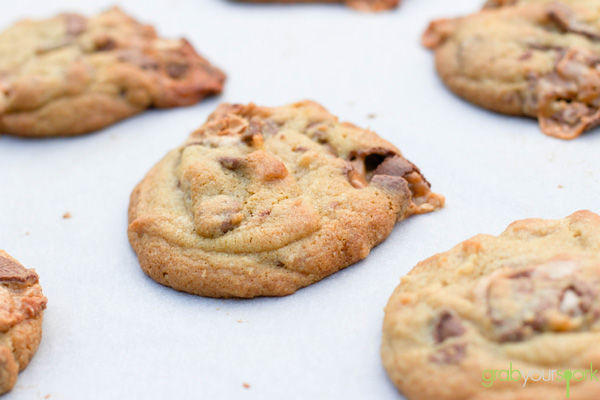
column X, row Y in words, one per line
column 554, row 375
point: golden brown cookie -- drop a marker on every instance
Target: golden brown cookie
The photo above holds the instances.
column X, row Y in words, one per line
column 362, row 5
column 535, row 58
column 487, row 319
column 264, row 201
column 70, row 75
column 21, row 312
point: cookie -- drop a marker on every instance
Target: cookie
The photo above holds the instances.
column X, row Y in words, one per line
column 362, row 5
column 534, row 58
column 70, row 75
column 264, row 201
column 21, row 312
column 486, row 319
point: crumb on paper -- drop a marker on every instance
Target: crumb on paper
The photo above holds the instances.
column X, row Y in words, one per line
column 560, row 186
column 67, row 215
column 372, row 116
column 27, row 233
column 246, row 385
column 47, row 396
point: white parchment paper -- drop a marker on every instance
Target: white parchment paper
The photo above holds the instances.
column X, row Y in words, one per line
column 110, row 332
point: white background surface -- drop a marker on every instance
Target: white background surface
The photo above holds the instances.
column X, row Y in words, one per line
column 111, row 332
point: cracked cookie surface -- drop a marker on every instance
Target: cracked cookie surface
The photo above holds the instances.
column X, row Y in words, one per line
column 534, row 58
column 264, row 201
column 71, row 75
column 22, row 307
column 530, row 297
column 362, row 5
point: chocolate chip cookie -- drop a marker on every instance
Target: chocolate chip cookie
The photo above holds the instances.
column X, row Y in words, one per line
column 526, row 301
column 21, row 312
column 70, row 75
column 264, row 201
column 534, row 58
column 362, row 5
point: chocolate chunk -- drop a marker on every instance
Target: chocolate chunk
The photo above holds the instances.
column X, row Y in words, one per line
column 104, row 43
column 517, row 335
column 263, row 214
column 546, row 47
column 320, row 137
column 231, row 163
column 218, row 215
column 453, row 354
column 136, row 57
column 355, row 178
column 395, row 166
column 11, row 271
column 177, row 71
column 270, row 128
column 563, row 16
column 254, row 129
column 567, row 99
column 391, row 183
column 526, row 55
column 522, row 274
column 231, row 220
column 448, row 326
column 365, row 161
column 227, row 226
column 577, row 299
column 571, row 120
column 498, row 3
column 380, row 153
column 75, row 24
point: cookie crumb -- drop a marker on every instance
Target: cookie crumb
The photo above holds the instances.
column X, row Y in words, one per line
column 246, row 385
column 47, row 396
column 67, row 215
column 372, row 116
column 560, row 186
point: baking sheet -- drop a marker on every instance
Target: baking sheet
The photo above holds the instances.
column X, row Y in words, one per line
column 111, row 332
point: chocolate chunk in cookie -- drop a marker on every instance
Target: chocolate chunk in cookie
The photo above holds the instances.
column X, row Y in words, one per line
column 264, row 201
column 12, row 271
